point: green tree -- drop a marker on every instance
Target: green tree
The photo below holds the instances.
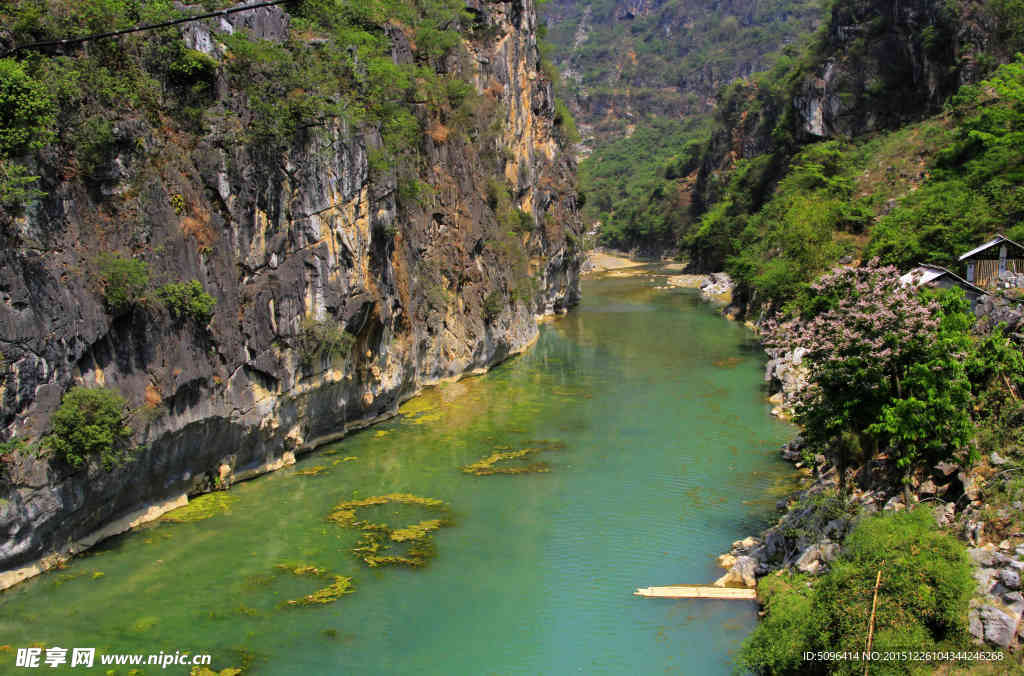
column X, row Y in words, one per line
column 124, row 280
column 187, row 299
column 90, row 424
column 885, row 363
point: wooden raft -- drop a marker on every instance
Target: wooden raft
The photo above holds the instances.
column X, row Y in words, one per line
column 697, row 592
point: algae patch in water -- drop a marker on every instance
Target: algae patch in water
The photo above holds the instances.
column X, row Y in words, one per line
column 490, row 465
column 312, row 471
column 332, row 592
column 375, row 547
column 202, row 507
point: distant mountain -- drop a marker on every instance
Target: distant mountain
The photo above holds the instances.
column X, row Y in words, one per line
column 624, row 60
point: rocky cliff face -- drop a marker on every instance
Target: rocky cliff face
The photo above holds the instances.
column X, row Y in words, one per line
column 430, row 288
column 888, row 63
column 626, row 59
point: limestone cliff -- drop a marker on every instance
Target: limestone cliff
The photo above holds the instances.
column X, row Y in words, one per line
column 430, row 286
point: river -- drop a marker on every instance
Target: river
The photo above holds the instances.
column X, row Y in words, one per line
column 645, row 408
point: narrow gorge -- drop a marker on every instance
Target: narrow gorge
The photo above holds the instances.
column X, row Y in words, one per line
column 322, row 228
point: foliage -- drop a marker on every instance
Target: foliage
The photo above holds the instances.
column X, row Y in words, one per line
column 187, row 299
column 810, row 517
column 11, row 446
column 323, row 340
column 630, row 187
column 89, row 424
column 26, row 123
column 565, row 125
column 883, row 363
column 778, row 642
column 124, row 280
column 922, row 604
column 26, row 110
column 16, row 186
column 789, row 241
column 667, row 59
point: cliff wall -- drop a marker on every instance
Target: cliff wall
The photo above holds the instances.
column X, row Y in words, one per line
column 413, row 258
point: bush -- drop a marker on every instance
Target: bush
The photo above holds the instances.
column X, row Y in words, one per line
column 323, row 340
column 90, row 424
column 923, row 597
column 187, row 299
column 26, row 110
column 125, row 280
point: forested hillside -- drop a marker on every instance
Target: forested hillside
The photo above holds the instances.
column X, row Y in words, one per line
column 824, row 153
column 623, row 61
column 641, row 77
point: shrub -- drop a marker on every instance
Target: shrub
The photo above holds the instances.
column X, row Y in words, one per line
column 26, row 110
column 125, row 280
column 323, row 340
column 566, row 132
column 193, row 67
column 187, row 299
column 923, row 597
column 16, row 186
column 90, row 424
column 95, row 144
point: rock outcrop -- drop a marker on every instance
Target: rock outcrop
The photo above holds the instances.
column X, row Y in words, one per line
column 428, row 288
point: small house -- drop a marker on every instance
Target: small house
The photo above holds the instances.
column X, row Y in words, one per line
column 998, row 263
column 938, row 277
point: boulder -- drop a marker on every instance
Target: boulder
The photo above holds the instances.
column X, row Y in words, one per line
column 813, row 558
column 726, row 561
column 742, row 574
column 982, row 556
column 999, row 626
column 971, row 488
column 945, row 514
column 746, row 544
column 985, row 577
column 1010, row 578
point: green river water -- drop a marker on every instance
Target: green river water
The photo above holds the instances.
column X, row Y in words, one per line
column 669, row 455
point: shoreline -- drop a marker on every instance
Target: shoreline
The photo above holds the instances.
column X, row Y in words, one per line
column 152, row 511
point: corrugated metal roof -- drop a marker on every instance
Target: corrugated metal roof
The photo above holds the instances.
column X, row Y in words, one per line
column 997, row 240
column 921, row 275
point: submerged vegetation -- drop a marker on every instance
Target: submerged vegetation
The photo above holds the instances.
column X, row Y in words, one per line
column 378, row 539
column 500, row 462
column 332, row 592
column 202, row 507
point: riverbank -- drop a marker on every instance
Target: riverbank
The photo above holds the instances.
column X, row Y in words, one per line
column 651, row 447
column 600, row 261
column 151, row 512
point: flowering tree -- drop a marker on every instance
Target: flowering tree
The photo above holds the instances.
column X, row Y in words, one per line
column 884, row 367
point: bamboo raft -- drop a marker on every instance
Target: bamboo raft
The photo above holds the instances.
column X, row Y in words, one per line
column 696, row 592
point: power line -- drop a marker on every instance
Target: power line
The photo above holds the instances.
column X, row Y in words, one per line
column 139, row 29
